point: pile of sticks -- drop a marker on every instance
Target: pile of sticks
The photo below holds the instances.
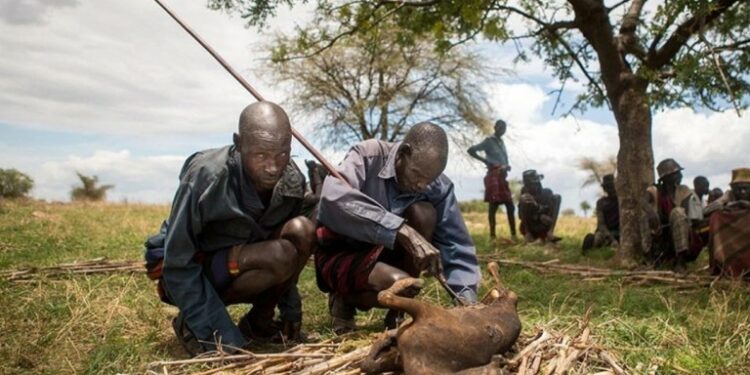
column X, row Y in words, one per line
column 93, row 266
column 547, row 352
column 328, row 357
column 598, row 274
column 554, row 352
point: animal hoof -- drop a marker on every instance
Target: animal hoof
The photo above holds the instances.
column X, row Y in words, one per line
column 408, row 287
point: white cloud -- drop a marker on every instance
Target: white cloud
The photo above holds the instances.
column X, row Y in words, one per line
column 114, row 67
column 24, row 12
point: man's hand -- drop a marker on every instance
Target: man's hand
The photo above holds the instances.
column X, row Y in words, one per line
column 528, row 199
column 426, row 256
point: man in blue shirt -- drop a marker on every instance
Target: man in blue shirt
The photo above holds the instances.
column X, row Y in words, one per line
column 496, row 187
column 396, row 217
column 234, row 236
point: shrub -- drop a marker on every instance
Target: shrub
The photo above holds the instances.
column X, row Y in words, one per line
column 14, row 184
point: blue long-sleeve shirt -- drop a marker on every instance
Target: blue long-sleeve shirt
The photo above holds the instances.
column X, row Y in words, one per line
column 371, row 209
column 215, row 207
column 494, row 150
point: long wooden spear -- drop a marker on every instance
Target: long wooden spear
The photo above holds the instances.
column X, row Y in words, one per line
column 252, row 91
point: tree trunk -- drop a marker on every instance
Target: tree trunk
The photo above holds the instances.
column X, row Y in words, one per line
column 635, row 162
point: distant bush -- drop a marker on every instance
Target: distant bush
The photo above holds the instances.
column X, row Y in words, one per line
column 14, row 184
column 568, row 212
column 474, row 205
column 89, row 191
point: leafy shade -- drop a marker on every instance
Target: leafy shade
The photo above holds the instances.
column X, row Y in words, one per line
column 89, row 191
column 379, row 82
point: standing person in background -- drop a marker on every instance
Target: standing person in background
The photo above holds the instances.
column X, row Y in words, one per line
column 496, row 187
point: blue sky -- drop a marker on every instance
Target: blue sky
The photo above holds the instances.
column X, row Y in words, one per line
column 116, row 89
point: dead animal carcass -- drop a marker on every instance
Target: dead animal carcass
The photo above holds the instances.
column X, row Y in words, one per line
column 446, row 341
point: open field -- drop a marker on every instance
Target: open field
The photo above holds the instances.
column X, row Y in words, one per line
column 115, row 323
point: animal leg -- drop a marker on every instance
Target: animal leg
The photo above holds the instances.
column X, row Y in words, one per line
column 392, row 297
column 383, row 357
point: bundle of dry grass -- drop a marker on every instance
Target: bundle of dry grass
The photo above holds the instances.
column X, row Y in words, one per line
column 632, row 277
column 93, row 266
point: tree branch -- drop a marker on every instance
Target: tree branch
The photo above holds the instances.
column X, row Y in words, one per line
column 628, row 39
column 613, row 7
column 685, row 31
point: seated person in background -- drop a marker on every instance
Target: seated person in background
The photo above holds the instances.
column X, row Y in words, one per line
column 701, row 188
column 679, row 212
column 234, row 236
column 714, row 194
column 730, row 228
column 538, row 209
column 397, row 217
column 607, row 218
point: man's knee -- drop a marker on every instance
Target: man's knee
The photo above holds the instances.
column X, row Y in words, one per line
column 283, row 259
column 422, row 217
column 300, row 231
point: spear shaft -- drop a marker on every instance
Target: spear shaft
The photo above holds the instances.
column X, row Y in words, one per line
column 251, row 89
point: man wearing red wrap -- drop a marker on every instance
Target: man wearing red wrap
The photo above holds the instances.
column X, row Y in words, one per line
column 496, row 188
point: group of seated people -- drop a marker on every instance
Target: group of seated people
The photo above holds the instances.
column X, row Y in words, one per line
column 677, row 224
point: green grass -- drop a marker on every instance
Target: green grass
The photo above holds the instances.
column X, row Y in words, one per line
column 115, row 323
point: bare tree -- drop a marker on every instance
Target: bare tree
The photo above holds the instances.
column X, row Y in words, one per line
column 373, row 84
column 596, row 169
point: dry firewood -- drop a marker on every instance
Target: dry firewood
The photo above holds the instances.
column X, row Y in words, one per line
column 610, row 360
column 337, row 362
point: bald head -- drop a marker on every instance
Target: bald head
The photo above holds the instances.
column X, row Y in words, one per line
column 264, row 142
column 264, row 117
column 422, row 157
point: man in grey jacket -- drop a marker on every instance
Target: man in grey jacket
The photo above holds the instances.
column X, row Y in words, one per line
column 234, row 236
column 396, row 217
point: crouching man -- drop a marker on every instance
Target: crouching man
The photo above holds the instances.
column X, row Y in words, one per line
column 396, row 217
column 234, row 236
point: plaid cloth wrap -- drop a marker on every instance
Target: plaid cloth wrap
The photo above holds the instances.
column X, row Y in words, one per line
column 730, row 240
column 496, row 187
column 343, row 265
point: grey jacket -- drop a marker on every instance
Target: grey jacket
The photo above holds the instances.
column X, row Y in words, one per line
column 370, row 210
column 215, row 207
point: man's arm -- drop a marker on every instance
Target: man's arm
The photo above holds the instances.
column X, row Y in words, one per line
column 474, row 152
column 184, row 281
column 349, row 212
column 457, row 250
